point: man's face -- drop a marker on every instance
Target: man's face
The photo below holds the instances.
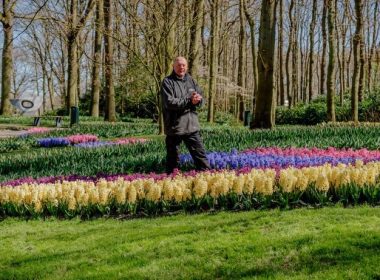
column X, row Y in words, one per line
column 180, row 67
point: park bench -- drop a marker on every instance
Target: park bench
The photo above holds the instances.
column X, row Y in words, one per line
column 58, row 120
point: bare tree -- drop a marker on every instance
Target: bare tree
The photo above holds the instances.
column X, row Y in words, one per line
column 195, row 37
column 75, row 25
column 108, row 45
column 375, row 35
column 265, row 62
column 322, row 89
column 281, row 88
column 214, row 46
column 311, row 51
column 357, row 41
column 242, row 60
column 96, row 84
column 331, row 66
column 7, row 20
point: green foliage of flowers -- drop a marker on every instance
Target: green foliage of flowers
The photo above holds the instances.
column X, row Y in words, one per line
column 295, row 136
column 100, row 129
column 150, row 157
column 72, row 160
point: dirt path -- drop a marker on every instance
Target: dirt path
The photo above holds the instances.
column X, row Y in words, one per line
column 5, row 133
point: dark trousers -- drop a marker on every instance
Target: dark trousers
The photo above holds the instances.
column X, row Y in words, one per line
column 193, row 143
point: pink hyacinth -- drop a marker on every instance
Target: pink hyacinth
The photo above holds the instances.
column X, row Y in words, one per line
column 307, row 152
column 35, row 130
column 81, row 138
column 126, row 141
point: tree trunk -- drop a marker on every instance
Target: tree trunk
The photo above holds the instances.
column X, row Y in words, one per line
column 73, row 72
column 242, row 58
column 280, row 55
column 331, row 66
column 311, row 50
column 7, row 59
column 289, row 72
column 204, row 42
column 322, row 89
column 108, row 48
column 72, row 58
column 51, row 91
column 213, row 59
column 294, row 43
column 75, row 25
column 252, row 27
column 95, row 83
column 264, row 105
column 373, row 46
column 195, row 38
column 357, row 44
column 361, row 65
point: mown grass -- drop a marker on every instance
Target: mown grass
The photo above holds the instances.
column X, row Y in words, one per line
column 328, row 243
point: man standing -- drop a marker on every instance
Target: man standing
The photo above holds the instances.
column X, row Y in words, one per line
column 180, row 98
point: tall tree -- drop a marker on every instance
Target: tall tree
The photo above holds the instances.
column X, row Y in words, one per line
column 375, row 33
column 108, row 46
column 281, row 89
column 7, row 20
column 95, row 83
column 291, row 41
column 267, row 34
column 252, row 28
column 76, row 24
column 311, row 51
column 331, row 65
column 214, row 47
column 357, row 42
column 195, row 37
column 294, row 44
column 242, row 60
column 322, row 89
column 361, row 65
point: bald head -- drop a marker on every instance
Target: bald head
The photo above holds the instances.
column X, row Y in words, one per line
column 180, row 66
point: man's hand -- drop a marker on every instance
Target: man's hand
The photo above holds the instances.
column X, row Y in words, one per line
column 196, row 98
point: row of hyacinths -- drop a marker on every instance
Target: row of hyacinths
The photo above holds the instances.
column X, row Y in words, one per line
column 85, row 141
column 244, row 187
column 278, row 158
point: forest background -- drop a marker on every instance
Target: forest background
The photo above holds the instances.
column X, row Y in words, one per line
column 295, row 62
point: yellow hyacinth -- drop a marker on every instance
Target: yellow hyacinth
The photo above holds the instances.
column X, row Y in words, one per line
column 238, row 184
column 72, row 205
column 154, row 193
column 322, row 183
column 120, row 195
column 200, row 187
column 178, row 193
column 167, row 189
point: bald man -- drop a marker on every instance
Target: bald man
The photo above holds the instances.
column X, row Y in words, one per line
column 181, row 96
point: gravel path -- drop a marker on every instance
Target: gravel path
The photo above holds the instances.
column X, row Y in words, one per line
column 5, row 133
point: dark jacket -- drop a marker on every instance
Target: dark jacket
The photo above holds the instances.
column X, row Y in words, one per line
column 180, row 116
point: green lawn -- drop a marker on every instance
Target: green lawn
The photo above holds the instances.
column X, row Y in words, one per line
column 328, row 243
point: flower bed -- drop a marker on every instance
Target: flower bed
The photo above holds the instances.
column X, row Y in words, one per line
column 278, row 158
column 81, row 138
column 121, row 141
column 53, row 142
column 66, row 141
column 36, row 130
column 85, row 141
column 227, row 189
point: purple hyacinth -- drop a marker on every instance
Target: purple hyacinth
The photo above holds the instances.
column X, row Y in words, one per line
column 53, row 142
column 235, row 160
